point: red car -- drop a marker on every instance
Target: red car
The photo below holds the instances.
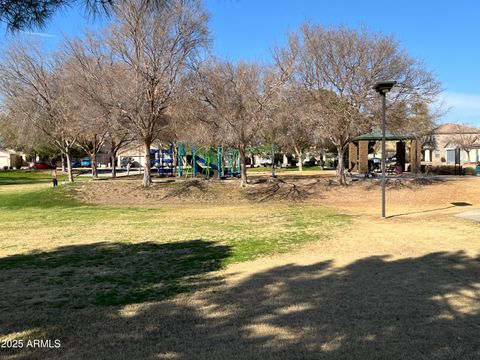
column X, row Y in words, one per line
column 42, row 166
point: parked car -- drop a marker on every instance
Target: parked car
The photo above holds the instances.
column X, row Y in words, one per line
column 266, row 162
column 41, row 166
column 85, row 162
column 133, row 163
column 76, row 164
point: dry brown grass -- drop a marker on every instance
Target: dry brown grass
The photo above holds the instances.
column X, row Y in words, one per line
column 403, row 195
column 405, row 287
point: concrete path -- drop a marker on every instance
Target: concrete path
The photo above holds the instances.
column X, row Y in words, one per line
column 470, row 215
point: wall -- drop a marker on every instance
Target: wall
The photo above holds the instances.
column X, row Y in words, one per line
column 444, row 149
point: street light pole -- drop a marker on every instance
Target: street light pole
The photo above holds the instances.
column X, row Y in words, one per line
column 383, row 88
column 383, row 153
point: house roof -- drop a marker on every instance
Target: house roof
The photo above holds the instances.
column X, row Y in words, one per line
column 4, row 152
column 452, row 128
column 376, row 134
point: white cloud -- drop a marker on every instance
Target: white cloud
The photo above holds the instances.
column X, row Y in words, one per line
column 38, row 34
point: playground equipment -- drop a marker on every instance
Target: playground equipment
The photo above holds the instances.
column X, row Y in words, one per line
column 195, row 161
column 162, row 160
column 211, row 162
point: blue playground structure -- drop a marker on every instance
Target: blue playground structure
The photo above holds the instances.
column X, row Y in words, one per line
column 195, row 161
column 162, row 160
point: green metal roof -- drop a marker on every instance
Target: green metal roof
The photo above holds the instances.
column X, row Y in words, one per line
column 376, row 134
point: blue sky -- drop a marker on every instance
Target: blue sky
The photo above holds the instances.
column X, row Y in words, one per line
column 442, row 33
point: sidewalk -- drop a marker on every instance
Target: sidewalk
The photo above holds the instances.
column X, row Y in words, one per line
column 473, row 215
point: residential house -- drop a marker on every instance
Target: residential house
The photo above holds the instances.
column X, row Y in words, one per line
column 440, row 147
column 10, row 159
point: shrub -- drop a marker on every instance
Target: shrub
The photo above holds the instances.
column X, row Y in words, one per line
column 469, row 171
column 444, row 170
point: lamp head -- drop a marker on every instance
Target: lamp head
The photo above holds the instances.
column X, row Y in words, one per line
column 383, row 87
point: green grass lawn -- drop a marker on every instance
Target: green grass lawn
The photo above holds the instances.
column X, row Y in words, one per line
column 68, row 254
column 18, row 177
column 11, row 177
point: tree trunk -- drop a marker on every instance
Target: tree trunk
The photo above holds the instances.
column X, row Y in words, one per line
column 69, row 165
column 341, row 165
column 174, row 159
column 147, row 178
column 63, row 163
column 243, row 167
column 113, row 159
column 93, row 159
column 468, row 156
column 299, row 154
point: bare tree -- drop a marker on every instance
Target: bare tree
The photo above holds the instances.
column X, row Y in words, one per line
column 338, row 68
column 154, row 48
column 93, row 135
column 99, row 81
column 118, row 139
column 19, row 135
column 236, row 98
column 87, row 117
column 34, row 93
column 297, row 130
column 466, row 138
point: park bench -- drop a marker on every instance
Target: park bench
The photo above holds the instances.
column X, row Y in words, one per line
column 390, row 168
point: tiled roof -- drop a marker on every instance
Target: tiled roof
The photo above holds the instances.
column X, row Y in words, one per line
column 451, row 128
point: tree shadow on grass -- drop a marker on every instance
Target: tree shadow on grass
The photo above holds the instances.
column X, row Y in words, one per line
column 374, row 308
column 46, row 295
column 96, row 274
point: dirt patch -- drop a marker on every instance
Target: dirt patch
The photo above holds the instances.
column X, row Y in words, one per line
column 131, row 193
column 419, row 194
column 362, row 195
